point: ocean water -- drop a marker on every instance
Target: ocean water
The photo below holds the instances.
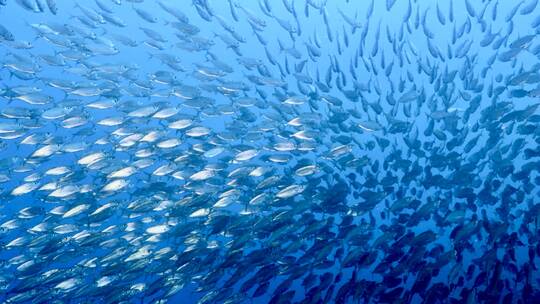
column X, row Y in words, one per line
column 289, row 151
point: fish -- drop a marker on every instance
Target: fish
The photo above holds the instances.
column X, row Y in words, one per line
column 276, row 152
column 53, row 7
column 6, row 34
column 145, row 15
column 513, row 11
column 528, row 8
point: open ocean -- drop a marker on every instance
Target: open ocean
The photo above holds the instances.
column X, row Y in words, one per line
column 269, row 151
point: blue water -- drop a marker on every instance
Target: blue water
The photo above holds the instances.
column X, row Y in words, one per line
column 419, row 119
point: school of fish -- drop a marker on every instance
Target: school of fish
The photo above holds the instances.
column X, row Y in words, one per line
column 291, row 151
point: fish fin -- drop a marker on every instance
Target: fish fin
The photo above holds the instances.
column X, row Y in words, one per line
column 281, row 48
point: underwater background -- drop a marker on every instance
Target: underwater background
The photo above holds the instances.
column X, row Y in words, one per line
column 289, row 151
